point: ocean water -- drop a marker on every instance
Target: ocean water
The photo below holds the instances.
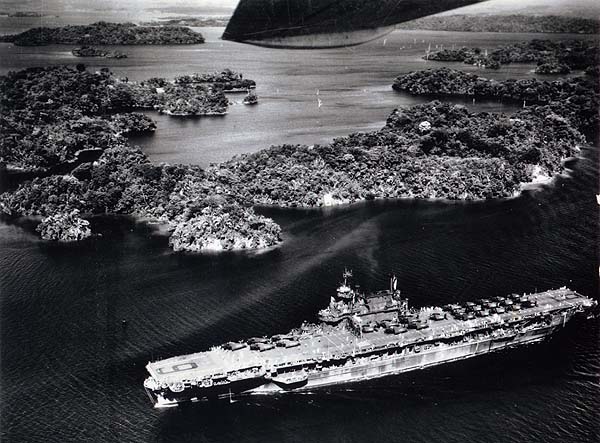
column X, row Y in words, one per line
column 352, row 86
column 70, row 372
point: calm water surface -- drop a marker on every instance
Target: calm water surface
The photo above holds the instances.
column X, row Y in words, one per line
column 352, row 85
column 70, row 372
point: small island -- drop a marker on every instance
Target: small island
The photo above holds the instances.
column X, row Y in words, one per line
column 250, row 99
column 27, row 14
column 227, row 80
column 90, row 51
column 105, row 33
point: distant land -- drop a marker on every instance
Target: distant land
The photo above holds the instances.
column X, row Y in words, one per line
column 27, row 14
column 198, row 22
column 505, row 23
column 552, row 57
column 104, row 33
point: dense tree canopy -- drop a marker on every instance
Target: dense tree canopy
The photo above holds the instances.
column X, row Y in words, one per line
column 555, row 57
column 434, row 150
column 55, row 114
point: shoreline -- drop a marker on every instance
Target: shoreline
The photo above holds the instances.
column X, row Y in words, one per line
column 187, row 114
column 164, row 228
column 436, row 152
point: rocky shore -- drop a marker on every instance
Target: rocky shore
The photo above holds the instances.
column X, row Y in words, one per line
column 105, row 33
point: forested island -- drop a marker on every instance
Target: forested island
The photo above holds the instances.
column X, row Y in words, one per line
column 552, row 57
column 227, row 79
column 506, row 23
column 55, row 113
column 25, row 14
column 250, row 99
column 66, row 98
column 574, row 99
column 435, row 150
column 90, row 51
column 105, row 33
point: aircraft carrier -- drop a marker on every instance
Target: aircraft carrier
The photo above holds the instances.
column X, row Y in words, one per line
column 361, row 337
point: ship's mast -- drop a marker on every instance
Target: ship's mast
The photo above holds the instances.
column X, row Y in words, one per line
column 347, row 274
column 393, row 283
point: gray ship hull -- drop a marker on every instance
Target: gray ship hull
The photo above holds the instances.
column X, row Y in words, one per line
column 363, row 347
column 409, row 361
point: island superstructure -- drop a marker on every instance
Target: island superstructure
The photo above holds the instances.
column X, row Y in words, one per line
column 360, row 337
